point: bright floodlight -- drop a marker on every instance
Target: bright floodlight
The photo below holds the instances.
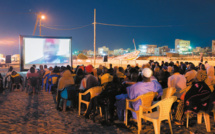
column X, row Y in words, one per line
column 43, row 17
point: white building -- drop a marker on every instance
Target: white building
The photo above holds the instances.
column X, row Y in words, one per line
column 151, row 49
column 103, row 50
column 213, row 47
column 117, row 52
column 182, row 46
column 143, row 49
column 157, row 51
column 90, row 53
column 147, row 49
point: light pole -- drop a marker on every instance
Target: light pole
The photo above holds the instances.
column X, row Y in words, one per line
column 94, row 37
column 39, row 17
column 42, row 17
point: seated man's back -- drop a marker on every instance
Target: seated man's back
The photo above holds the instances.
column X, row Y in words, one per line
column 144, row 87
column 178, row 81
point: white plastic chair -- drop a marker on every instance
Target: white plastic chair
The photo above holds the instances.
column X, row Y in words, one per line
column 146, row 100
column 199, row 120
column 163, row 113
column 167, row 92
column 94, row 91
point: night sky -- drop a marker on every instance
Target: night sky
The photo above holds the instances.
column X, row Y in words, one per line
column 164, row 21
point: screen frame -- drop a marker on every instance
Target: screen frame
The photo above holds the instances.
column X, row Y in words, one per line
column 21, row 48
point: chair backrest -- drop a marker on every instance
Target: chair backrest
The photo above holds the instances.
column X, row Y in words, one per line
column 45, row 77
column 165, row 107
column 17, row 79
column 94, row 91
column 33, row 81
column 146, row 99
column 53, row 78
column 167, row 92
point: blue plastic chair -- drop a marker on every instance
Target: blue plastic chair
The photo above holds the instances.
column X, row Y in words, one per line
column 51, row 83
column 45, row 77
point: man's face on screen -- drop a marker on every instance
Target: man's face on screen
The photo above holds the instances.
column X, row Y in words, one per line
column 50, row 50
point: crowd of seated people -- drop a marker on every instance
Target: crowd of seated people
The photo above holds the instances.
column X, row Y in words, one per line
column 135, row 81
column 119, row 84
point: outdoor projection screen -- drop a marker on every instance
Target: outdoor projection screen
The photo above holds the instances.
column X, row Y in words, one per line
column 50, row 51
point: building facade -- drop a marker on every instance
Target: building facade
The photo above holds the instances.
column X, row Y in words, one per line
column 103, row 50
column 182, row 46
column 213, row 47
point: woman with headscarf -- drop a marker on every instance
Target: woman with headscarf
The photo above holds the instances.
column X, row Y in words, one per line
column 197, row 97
column 65, row 81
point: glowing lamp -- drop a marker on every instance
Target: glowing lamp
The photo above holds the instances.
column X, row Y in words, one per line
column 43, row 17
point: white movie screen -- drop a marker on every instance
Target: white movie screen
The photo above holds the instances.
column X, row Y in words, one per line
column 46, row 51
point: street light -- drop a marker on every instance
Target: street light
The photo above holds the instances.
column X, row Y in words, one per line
column 39, row 17
column 43, row 17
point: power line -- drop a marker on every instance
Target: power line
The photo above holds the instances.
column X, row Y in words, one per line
column 18, row 13
column 58, row 25
column 116, row 25
column 65, row 29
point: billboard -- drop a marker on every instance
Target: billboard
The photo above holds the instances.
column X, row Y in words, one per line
column 50, row 51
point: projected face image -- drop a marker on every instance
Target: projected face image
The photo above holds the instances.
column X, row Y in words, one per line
column 46, row 51
column 50, row 49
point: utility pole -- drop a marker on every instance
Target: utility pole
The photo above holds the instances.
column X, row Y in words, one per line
column 39, row 18
column 35, row 26
column 40, row 24
column 94, row 37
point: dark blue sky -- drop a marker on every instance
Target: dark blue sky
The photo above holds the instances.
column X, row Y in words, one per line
column 192, row 20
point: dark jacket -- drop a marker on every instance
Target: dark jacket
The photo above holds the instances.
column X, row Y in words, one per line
column 198, row 98
column 163, row 78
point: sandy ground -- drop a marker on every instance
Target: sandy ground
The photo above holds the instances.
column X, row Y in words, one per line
column 23, row 113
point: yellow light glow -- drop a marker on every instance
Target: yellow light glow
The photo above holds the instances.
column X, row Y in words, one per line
column 43, row 17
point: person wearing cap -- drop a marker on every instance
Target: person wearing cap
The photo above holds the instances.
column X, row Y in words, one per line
column 50, row 53
column 163, row 77
column 143, row 87
column 89, row 80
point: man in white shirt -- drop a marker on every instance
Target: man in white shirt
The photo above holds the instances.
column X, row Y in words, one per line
column 177, row 80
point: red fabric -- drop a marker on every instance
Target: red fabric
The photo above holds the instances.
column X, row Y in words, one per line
column 32, row 75
column 89, row 69
column 52, row 41
column 81, row 67
column 182, row 96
